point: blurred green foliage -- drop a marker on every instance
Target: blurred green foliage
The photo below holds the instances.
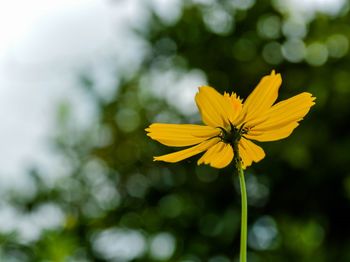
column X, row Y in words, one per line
column 119, row 205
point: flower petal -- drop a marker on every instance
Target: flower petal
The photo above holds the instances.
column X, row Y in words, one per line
column 207, row 156
column 281, row 119
column 235, row 107
column 218, row 156
column 272, row 135
column 181, row 135
column 186, row 153
column 245, row 157
column 215, row 109
column 262, row 97
column 249, row 152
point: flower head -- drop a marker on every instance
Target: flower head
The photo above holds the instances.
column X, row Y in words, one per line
column 230, row 125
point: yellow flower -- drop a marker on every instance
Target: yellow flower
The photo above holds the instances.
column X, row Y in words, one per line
column 231, row 124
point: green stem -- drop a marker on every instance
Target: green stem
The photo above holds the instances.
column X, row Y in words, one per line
column 244, row 215
column 243, row 252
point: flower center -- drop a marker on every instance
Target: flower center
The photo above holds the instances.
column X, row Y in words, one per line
column 232, row 134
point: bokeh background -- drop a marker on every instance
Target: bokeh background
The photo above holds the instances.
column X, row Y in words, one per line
column 79, row 82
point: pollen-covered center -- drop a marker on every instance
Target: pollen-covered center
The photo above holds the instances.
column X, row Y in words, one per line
column 232, row 134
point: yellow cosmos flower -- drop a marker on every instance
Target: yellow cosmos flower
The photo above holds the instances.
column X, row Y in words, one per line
column 231, row 125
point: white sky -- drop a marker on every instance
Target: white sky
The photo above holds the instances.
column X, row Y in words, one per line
column 43, row 44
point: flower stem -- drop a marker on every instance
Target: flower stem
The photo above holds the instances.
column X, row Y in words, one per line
column 244, row 215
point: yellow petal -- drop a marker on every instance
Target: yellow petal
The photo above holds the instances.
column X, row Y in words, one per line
column 181, row 135
column 186, row 153
column 249, row 152
column 215, row 109
column 218, row 156
column 205, row 159
column 235, row 107
column 262, row 97
column 272, row 135
column 281, row 119
column 245, row 157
